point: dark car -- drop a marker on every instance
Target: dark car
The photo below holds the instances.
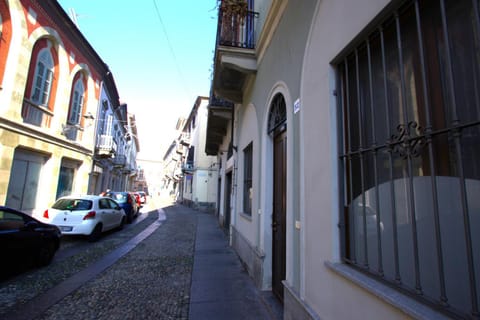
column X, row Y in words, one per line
column 127, row 202
column 25, row 241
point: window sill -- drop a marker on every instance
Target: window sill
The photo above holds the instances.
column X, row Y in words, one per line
column 246, row 216
column 393, row 297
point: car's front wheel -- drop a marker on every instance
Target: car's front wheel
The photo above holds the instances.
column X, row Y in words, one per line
column 45, row 253
column 130, row 217
column 96, row 233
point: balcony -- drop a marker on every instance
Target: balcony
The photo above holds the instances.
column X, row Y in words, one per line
column 72, row 132
column 188, row 167
column 35, row 114
column 129, row 170
column 181, row 149
column 235, row 58
column 120, row 161
column 106, row 147
column 220, row 113
column 185, row 139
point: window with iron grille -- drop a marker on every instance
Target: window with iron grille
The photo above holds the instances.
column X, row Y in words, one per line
column 409, row 99
column 247, row 180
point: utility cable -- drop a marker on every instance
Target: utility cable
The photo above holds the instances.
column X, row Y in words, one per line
column 171, row 49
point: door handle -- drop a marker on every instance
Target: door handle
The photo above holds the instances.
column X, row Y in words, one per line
column 274, row 225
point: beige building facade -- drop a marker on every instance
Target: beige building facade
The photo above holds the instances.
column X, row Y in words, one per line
column 198, row 184
column 51, row 84
column 348, row 169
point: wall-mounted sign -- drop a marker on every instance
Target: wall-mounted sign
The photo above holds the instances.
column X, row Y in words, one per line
column 296, row 106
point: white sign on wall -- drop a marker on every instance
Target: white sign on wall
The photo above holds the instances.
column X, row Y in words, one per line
column 296, row 106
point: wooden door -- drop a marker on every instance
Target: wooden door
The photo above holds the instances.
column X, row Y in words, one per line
column 279, row 214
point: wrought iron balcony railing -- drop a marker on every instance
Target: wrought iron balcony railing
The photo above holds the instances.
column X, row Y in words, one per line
column 216, row 102
column 236, row 30
column 120, row 160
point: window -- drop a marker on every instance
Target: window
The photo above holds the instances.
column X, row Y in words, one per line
column 247, row 180
column 76, row 108
column 104, row 203
column 277, row 118
column 10, row 221
column 410, row 119
column 190, row 164
column 76, row 104
column 43, row 78
column 37, row 108
column 1, row 25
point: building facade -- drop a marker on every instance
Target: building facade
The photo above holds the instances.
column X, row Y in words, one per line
column 52, row 86
column 198, row 183
column 172, row 170
column 349, row 153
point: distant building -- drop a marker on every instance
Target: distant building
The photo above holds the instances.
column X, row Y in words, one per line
column 172, row 172
column 199, row 171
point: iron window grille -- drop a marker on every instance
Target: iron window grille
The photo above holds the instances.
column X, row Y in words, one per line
column 409, row 105
column 277, row 117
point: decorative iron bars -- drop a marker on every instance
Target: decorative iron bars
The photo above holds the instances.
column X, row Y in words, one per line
column 410, row 125
column 277, row 117
column 236, row 24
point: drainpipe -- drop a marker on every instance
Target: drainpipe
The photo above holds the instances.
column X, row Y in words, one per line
column 233, row 203
column 95, row 128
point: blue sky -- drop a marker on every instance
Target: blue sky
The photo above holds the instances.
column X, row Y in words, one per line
column 160, row 53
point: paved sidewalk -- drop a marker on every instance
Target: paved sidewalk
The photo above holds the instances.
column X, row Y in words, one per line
column 221, row 288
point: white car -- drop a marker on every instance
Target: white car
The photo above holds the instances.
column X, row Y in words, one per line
column 88, row 215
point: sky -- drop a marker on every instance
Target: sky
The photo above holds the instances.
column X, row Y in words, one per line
column 160, row 53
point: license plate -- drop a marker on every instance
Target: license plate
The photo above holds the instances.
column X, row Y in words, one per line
column 66, row 229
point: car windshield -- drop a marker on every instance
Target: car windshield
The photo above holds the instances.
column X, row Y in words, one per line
column 72, row 204
column 119, row 197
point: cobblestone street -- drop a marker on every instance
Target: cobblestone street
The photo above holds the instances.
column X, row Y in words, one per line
column 153, row 280
column 141, row 272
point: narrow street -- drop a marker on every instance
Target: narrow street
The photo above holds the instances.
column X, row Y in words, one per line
column 144, row 271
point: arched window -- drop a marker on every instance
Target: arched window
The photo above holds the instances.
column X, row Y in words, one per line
column 76, row 102
column 43, row 78
column 277, row 118
column 5, row 37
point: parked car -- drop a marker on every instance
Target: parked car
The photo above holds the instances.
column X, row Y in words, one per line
column 127, row 202
column 137, row 198
column 143, row 197
column 25, row 240
column 87, row 215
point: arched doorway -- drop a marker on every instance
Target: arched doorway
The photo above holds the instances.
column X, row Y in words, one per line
column 277, row 130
